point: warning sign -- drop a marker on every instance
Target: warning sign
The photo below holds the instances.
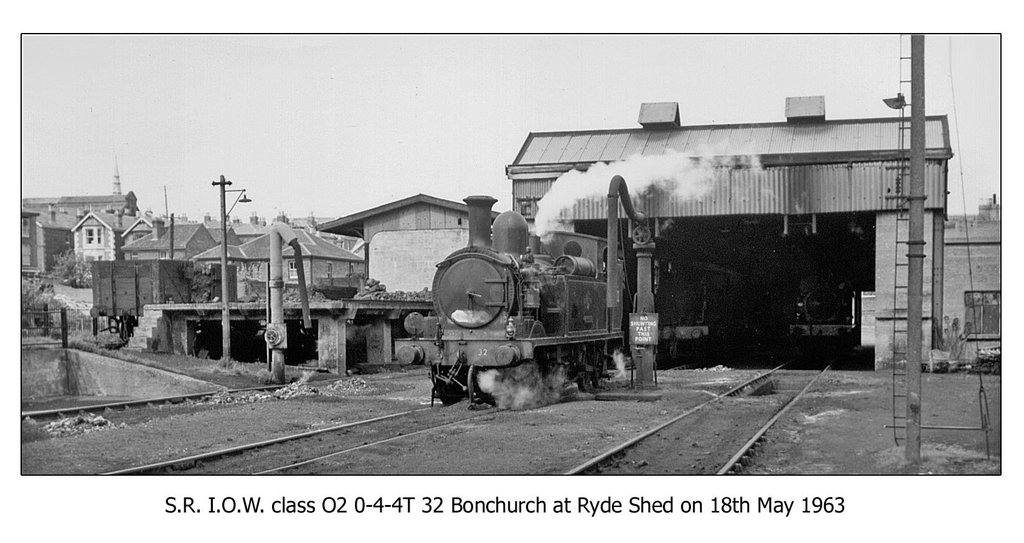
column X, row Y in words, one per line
column 643, row 328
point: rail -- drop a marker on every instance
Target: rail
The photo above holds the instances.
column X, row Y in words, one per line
column 631, row 442
column 734, row 463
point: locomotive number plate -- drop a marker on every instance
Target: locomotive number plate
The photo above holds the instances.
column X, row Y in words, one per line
column 643, row 328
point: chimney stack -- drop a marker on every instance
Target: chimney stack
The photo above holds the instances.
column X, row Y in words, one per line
column 480, row 220
column 158, row 228
column 79, row 213
column 53, row 213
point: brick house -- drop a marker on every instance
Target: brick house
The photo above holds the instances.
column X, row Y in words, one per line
column 97, row 236
column 30, row 243
column 972, row 290
column 189, row 240
column 142, row 228
column 323, row 263
column 113, row 204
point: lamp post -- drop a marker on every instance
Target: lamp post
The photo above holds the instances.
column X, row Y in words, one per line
column 225, row 318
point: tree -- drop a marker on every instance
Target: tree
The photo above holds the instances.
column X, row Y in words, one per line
column 73, row 270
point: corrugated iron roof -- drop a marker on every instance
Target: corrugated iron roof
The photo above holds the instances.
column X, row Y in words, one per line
column 828, row 141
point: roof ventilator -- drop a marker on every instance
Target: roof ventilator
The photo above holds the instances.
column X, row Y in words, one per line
column 659, row 115
column 805, row 109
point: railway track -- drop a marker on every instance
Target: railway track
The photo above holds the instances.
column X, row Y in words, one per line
column 45, row 414
column 189, row 462
column 615, row 453
column 738, row 460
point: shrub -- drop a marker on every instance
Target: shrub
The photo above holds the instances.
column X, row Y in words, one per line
column 73, row 270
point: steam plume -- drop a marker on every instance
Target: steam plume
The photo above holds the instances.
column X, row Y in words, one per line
column 684, row 176
column 620, row 364
column 522, row 387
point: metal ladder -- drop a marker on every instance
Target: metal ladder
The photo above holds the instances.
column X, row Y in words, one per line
column 901, row 262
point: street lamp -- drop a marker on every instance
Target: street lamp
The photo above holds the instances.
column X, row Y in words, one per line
column 225, row 318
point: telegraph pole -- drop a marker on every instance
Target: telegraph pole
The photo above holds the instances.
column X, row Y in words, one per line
column 225, row 317
column 915, row 254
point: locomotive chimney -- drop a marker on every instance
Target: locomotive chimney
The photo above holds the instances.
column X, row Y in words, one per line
column 479, row 220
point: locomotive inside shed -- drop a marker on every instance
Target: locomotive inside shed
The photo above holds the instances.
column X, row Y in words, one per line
column 733, row 289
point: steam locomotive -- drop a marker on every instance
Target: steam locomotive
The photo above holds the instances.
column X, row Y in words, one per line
column 516, row 300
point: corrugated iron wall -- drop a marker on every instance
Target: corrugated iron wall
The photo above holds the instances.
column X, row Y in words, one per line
column 792, row 190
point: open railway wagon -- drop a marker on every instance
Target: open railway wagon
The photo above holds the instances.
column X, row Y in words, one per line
column 120, row 288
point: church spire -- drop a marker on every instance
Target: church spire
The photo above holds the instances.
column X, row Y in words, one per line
column 117, row 177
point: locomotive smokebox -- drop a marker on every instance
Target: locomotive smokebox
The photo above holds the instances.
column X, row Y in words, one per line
column 511, row 233
column 479, row 220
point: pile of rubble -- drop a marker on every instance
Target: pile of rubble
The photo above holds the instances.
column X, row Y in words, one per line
column 990, row 360
column 82, row 423
column 716, row 369
column 225, row 397
column 295, row 389
column 375, row 290
column 353, row 384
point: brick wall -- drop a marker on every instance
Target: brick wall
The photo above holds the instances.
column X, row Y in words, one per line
column 985, row 252
column 406, row 259
column 888, row 274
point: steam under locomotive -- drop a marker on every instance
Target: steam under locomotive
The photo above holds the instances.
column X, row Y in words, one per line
column 512, row 301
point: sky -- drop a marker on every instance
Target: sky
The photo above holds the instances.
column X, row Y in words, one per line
column 333, row 125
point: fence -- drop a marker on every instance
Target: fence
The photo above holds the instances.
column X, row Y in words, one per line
column 44, row 327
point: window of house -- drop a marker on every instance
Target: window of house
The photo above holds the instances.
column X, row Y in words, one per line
column 92, row 235
column 292, row 272
column 983, row 311
column 26, row 227
column 330, row 270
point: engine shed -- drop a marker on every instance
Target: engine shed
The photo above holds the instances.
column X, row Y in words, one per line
column 797, row 224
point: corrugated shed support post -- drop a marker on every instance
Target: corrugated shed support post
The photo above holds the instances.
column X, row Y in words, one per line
column 915, row 255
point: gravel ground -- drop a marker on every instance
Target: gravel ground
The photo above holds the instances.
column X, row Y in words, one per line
column 837, row 429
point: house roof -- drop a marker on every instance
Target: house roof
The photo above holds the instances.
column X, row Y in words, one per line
column 141, row 221
column 808, row 142
column 119, row 200
column 214, row 228
column 183, row 233
column 61, row 221
column 259, row 250
column 109, row 220
column 249, row 229
column 353, row 224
